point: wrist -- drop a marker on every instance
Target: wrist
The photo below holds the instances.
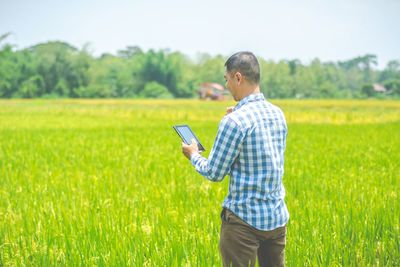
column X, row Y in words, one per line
column 193, row 153
column 194, row 157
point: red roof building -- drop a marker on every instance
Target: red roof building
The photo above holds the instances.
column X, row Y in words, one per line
column 212, row 91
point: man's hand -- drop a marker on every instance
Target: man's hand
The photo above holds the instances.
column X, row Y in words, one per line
column 229, row 110
column 188, row 150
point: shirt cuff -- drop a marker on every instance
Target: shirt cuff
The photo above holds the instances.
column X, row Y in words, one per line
column 194, row 157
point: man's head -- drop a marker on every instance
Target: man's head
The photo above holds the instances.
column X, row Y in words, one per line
column 242, row 74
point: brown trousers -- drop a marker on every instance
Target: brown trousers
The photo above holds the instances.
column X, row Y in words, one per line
column 240, row 243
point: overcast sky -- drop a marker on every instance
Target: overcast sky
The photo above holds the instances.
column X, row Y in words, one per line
column 331, row 30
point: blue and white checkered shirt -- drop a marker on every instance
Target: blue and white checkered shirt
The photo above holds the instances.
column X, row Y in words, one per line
column 250, row 146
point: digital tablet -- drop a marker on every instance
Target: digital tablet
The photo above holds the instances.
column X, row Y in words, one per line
column 186, row 134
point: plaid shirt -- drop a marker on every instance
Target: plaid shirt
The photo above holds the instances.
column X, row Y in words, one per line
column 250, row 146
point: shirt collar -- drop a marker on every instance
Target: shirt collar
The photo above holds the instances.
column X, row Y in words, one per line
column 248, row 99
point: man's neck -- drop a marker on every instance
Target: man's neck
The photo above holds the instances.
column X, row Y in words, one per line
column 250, row 90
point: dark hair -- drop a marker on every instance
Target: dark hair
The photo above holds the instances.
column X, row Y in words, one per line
column 246, row 63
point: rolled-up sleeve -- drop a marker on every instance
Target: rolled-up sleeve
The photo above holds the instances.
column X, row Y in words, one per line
column 223, row 153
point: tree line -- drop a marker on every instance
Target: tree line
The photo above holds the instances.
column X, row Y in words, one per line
column 59, row 70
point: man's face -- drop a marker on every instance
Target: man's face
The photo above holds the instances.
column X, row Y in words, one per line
column 230, row 84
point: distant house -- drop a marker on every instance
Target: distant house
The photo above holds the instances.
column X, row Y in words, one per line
column 212, row 91
column 379, row 88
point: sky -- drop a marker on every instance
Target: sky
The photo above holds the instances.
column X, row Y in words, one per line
column 331, row 30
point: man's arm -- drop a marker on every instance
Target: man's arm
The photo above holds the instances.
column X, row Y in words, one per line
column 188, row 150
column 223, row 153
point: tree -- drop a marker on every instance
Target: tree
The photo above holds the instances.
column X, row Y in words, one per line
column 8, row 70
column 362, row 64
column 366, row 62
column 78, row 76
column 54, row 64
column 367, row 90
column 293, row 65
column 6, row 48
column 155, row 90
column 57, row 69
column 393, row 86
column 276, row 81
column 31, row 88
column 210, row 70
column 392, row 71
column 104, row 78
column 162, row 67
column 129, row 52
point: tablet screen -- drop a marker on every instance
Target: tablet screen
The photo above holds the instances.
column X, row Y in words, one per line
column 187, row 135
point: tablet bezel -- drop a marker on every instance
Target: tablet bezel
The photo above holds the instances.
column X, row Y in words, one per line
column 199, row 145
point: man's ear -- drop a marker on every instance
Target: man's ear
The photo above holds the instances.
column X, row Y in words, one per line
column 238, row 76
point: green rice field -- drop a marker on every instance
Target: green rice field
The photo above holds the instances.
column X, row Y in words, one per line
column 104, row 183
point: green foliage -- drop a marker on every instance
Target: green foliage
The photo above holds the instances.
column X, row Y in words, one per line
column 155, row 90
column 367, row 90
column 391, row 72
column 393, row 86
column 31, row 88
column 67, row 72
column 109, row 77
column 61, row 88
column 93, row 91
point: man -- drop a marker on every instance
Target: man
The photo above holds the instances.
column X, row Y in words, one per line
column 249, row 146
